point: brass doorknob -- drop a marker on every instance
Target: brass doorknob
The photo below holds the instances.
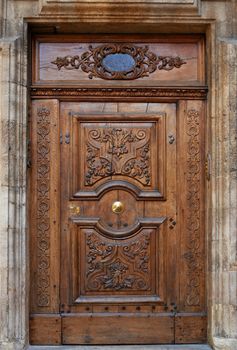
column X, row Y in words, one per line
column 117, row 207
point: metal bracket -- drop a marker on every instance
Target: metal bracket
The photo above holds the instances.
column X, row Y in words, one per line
column 29, row 162
column 67, row 138
column 172, row 223
column 171, row 138
column 208, row 166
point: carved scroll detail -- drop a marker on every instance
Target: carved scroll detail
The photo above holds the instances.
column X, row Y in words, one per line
column 117, row 265
column 193, row 254
column 139, row 167
column 118, row 151
column 43, row 206
column 145, row 62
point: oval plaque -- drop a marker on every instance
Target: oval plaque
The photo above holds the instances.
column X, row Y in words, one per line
column 118, row 62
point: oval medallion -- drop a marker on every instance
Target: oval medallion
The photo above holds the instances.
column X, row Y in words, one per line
column 118, row 62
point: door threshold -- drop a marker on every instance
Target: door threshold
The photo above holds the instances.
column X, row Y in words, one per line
column 122, row 347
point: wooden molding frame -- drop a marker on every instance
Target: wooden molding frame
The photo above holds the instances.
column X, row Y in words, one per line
column 143, row 92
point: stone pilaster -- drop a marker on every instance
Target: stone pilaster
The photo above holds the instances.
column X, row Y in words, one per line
column 13, row 243
column 222, row 292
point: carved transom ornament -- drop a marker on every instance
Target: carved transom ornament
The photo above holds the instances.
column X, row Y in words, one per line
column 118, row 62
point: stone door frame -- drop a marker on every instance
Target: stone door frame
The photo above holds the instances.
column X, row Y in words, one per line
column 221, row 126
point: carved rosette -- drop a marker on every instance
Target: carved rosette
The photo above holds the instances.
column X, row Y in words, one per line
column 193, row 253
column 118, row 151
column 116, row 61
column 117, row 266
column 43, row 206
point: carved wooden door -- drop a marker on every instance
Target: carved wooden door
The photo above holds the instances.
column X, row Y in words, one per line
column 117, row 235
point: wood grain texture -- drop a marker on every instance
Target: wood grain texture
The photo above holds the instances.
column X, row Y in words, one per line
column 125, row 329
column 45, row 330
column 190, row 329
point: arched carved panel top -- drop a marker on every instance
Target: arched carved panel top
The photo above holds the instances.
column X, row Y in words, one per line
column 118, row 150
column 111, row 150
column 117, row 268
column 98, row 224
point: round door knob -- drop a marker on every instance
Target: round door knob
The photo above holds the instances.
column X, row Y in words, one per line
column 117, row 207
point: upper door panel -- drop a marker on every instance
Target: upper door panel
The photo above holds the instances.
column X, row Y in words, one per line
column 115, row 59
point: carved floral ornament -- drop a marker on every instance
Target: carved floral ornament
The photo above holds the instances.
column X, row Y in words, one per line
column 119, row 265
column 118, row 151
column 118, row 62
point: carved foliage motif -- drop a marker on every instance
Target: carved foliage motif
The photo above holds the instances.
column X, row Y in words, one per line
column 43, row 206
column 118, row 151
column 138, row 62
column 117, row 265
column 193, row 254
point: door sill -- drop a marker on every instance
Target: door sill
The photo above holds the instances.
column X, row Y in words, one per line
column 122, row 347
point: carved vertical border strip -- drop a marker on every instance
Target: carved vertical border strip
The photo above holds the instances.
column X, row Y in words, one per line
column 193, row 249
column 43, row 206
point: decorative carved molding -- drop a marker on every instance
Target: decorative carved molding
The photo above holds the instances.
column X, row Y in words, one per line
column 118, row 151
column 125, row 232
column 172, row 92
column 118, row 62
column 139, row 168
column 118, row 265
column 193, row 255
column 43, row 206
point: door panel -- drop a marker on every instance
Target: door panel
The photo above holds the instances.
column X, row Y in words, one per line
column 124, row 148
column 109, row 329
column 115, row 261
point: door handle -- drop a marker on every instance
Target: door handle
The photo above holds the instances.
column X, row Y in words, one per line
column 117, row 207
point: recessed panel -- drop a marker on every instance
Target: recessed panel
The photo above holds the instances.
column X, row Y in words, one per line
column 117, row 150
column 111, row 270
column 118, row 153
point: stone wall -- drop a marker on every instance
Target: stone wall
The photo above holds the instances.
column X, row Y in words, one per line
column 218, row 19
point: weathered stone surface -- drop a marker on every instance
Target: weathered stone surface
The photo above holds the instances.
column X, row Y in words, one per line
column 13, row 306
column 111, row 7
column 223, row 298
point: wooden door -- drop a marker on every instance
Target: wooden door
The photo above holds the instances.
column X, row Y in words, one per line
column 114, row 257
column 117, row 217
